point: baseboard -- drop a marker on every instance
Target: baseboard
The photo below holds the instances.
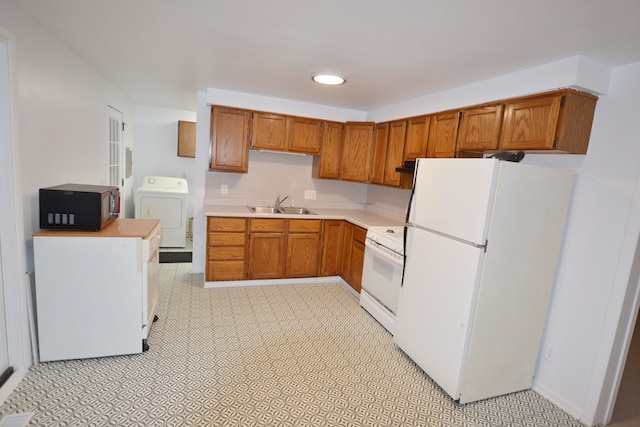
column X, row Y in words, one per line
column 272, row 282
column 557, row 400
column 13, row 381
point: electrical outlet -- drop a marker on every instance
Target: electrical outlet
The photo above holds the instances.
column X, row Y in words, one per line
column 224, row 189
column 550, row 352
column 310, row 194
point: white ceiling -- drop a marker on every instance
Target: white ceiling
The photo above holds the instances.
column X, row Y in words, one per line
column 160, row 52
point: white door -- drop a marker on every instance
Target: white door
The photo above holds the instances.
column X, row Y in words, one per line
column 454, row 196
column 115, row 152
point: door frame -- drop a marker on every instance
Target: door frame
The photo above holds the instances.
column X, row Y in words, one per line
column 14, row 272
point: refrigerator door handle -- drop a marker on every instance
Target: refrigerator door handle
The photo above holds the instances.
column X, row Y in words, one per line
column 482, row 246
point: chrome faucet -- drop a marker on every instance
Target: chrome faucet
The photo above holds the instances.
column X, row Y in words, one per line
column 279, row 201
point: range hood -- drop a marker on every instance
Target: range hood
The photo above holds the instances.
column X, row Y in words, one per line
column 409, row 166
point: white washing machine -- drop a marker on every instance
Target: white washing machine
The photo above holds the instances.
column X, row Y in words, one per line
column 165, row 198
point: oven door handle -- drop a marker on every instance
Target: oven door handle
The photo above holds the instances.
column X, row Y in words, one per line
column 376, row 251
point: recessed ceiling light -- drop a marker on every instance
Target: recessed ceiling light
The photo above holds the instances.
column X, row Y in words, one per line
column 328, row 79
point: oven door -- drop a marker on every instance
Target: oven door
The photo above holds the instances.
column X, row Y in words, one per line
column 381, row 280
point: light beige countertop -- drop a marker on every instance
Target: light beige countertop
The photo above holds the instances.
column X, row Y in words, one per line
column 360, row 217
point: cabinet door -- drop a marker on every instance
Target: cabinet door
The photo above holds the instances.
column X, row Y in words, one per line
column 268, row 131
column 443, row 134
column 480, row 128
column 303, row 254
column 380, row 139
column 416, row 141
column 355, row 265
column 327, row 165
column 395, row 151
column 266, row 255
column 347, row 248
column 356, row 151
column 332, row 243
column 530, row 124
column 229, row 139
column 304, row 135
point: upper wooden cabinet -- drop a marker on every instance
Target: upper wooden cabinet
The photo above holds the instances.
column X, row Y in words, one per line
column 186, row 139
column 380, row 140
column 268, row 131
column 229, row 139
column 559, row 121
column 480, row 128
column 356, row 151
column 304, row 135
column 395, row 152
column 443, row 133
column 416, row 140
column 327, row 165
column 286, row 133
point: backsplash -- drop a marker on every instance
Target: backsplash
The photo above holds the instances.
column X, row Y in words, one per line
column 273, row 174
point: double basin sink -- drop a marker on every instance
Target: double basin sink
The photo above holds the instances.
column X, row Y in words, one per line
column 280, row 210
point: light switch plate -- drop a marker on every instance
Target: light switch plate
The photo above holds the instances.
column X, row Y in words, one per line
column 310, row 194
column 224, row 189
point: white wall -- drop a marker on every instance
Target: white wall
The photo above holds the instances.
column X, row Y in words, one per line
column 156, row 148
column 59, row 125
column 61, row 114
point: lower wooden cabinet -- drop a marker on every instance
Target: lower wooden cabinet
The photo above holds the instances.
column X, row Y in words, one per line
column 353, row 255
column 332, row 253
column 274, row 248
column 267, row 240
column 303, row 248
column 226, row 248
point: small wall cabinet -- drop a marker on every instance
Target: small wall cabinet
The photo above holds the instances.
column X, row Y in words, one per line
column 186, row 139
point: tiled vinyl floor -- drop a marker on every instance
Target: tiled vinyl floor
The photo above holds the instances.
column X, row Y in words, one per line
column 290, row 355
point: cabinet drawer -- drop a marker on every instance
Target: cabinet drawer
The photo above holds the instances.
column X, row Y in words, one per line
column 232, row 253
column 225, row 270
column 226, row 239
column 226, row 224
column 305, row 225
column 359, row 234
column 268, row 225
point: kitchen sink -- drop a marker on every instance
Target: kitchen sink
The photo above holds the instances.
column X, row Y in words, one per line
column 297, row 211
column 282, row 210
column 264, row 209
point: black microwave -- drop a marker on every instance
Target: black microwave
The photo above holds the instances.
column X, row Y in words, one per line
column 78, row 207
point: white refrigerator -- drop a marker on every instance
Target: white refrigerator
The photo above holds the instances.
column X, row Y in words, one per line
column 482, row 245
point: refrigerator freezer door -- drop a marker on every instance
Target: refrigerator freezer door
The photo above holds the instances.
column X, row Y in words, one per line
column 435, row 305
column 454, row 196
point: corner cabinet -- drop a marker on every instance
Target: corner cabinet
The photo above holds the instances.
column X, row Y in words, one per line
column 353, row 255
column 230, row 139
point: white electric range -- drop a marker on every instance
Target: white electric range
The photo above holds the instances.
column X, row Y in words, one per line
column 382, row 273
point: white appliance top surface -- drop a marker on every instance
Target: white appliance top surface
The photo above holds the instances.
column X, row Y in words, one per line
column 389, row 237
column 164, row 184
